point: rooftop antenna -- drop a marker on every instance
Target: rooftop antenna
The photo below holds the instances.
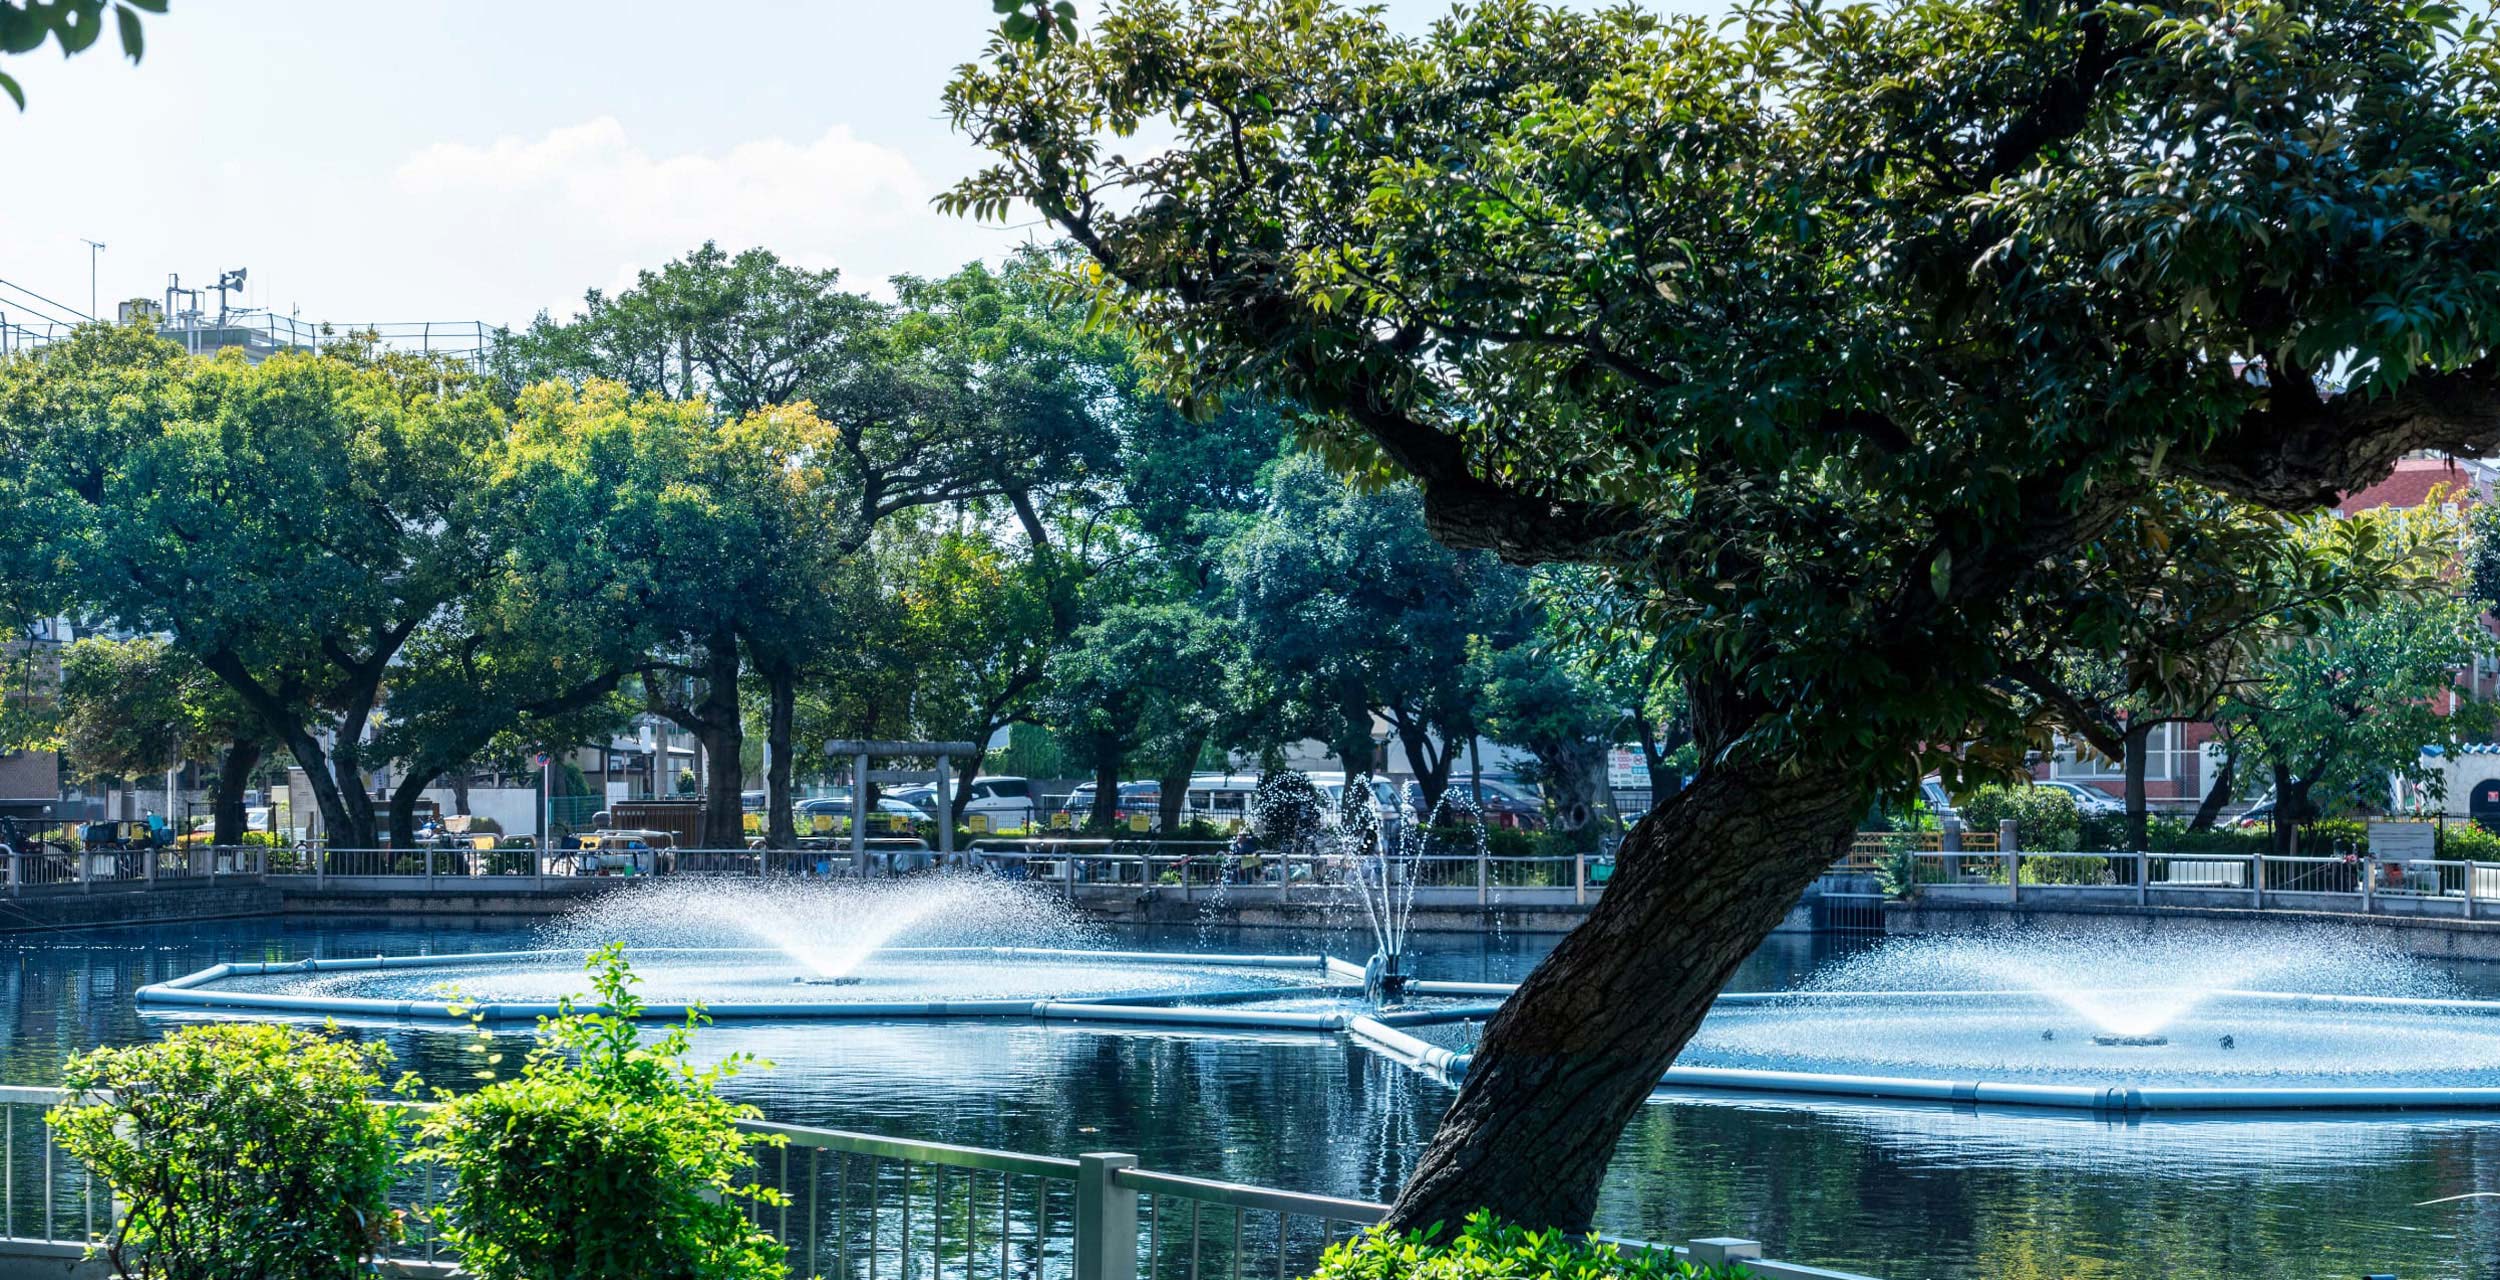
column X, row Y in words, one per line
column 227, row 280
column 94, row 247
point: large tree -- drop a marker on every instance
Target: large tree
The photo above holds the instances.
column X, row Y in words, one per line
column 1341, row 591
column 131, row 708
column 972, row 387
column 1837, row 334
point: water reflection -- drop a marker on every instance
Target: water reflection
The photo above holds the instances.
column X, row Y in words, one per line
column 1900, row 1191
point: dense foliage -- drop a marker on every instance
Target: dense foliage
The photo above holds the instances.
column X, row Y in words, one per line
column 1487, row 1248
column 236, row 1149
column 606, row 1156
column 1843, row 340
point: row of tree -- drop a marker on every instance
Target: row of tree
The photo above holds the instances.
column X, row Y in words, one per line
column 768, row 509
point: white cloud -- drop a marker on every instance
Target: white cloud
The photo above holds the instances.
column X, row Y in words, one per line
column 587, row 205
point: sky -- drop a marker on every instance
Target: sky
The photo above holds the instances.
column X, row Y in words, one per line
column 461, row 160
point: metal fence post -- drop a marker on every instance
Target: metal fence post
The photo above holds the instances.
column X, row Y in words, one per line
column 429, row 866
column 1580, row 879
column 1106, row 1218
column 2009, row 845
column 1484, row 871
column 2469, row 888
column 17, row 871
column 2257, row 879
column 2369, row 885
column 147, row 865
column 1717, row 1251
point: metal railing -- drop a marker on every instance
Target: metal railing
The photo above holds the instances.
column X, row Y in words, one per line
column 1192, row 869
column 866, row 1207
column 2354, row 883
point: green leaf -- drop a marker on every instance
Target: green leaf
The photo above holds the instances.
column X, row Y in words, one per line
column 8, row 85
column 132, row 41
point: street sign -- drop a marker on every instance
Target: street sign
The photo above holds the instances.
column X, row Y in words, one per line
column 541, row 760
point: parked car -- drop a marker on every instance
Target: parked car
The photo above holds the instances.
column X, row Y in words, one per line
column 831, row 815
column 2091, row 802
column 1135, row 798
column 1006, row 804
column 1506, row 803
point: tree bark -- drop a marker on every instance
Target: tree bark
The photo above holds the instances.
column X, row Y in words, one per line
column 1106, row 790
column 2219, row 794
column 781, row 698
column 1575, row 1052
column 2139, row 823
column 1173, row 785
column 234, row 775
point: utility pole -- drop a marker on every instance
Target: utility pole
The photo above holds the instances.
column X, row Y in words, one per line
column 94, row 247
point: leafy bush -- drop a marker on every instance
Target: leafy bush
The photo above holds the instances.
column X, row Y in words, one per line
column 2171, row 835
column 238, row 1149
column 1897, row 871
column 2335, row 835
column 2083, row 869
column 2468, row 841
column 1487, row 1248
column 605, row 1157
column 2044, row 817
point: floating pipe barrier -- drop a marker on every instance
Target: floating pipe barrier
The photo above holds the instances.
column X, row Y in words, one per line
column 1425, row 988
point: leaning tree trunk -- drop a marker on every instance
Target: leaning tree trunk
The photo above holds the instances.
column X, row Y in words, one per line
column 1173, row 785
column 234, row 775
column 1574, row 1053
column 2219, row 794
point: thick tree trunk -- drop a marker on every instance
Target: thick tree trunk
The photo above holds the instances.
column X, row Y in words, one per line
column 781, row 697
column 2291, row 808
column 2139, row 821
column 403, row 811
column 1173, row 784
column 458, row 781
column 1571, row 1057
column 2219, row 794
column 1106, row 791
column 234, row 775
column 966, row 769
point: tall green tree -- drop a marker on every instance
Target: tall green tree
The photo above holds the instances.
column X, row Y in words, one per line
column 1841, row 332
column 1141, row 681
column 1342, row 591
column 2343, row 710
column 137, row 707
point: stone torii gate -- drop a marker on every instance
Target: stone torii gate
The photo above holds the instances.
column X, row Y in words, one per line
column 862, row 750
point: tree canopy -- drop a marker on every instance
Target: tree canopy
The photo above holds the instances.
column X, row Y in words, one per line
column 1837, row 335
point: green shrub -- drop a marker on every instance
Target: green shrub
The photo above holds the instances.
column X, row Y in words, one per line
column 2468, row 841
column 1897, row 871
column 1487, row 1248
column 605, row 1157
column 2335, row 835
column 2044, row 817
column 2084, row 869
column 237, row 1149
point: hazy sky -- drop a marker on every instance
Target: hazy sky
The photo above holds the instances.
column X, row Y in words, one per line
column 484, row 159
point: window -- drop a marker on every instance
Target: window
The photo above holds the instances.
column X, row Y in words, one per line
column 2077, row 762
column 1010, row 788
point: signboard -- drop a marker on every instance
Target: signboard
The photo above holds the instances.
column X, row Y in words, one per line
column 977, row 823
column 1140, row 822
column 2403, row 841
column 1625, row 769
column 1059, row 821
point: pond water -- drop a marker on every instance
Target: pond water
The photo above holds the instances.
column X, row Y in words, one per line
column 1892, row 1190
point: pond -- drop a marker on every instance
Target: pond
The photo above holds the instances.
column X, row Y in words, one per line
column 1892, row 1190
